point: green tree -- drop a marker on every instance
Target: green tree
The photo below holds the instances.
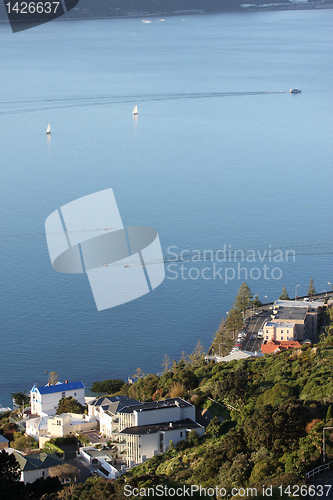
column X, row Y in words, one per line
column 109, row 386
column 197, row 355
column 284, row 295
column 311, row 290
column 22, row 442
column 329, row 414
column 234, row 321
column 166, row 363
column 20, row 398
column 243, row 298
column 69, row 405
column 232, row 387
column 139, row 373
column 9, row 467
column 53, row 378
column 222, row 340
column 64, row 471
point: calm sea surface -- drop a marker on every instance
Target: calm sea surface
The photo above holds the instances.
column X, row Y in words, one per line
column 221, row 157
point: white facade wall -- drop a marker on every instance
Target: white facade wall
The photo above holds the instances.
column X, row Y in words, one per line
column 30, row 476
column 69, row 423
column 94, row 411
column 48, row 403
column 167, row 414
column 113, row 472
column 145, row 446
column 36, row 427
column 106, row 423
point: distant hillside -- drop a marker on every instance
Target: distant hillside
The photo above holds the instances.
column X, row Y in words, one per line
column 86, row 9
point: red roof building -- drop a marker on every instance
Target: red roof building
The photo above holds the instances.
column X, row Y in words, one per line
column 278, row 346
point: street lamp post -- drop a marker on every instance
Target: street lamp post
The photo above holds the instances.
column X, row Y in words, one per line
column 296, row 291
column 324, row 429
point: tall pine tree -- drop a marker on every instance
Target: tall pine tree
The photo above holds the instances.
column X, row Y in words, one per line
column 284, row 295
column 311, row 290
column 243, row 298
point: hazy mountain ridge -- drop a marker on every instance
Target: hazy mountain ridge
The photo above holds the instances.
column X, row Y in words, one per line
column 86, row 9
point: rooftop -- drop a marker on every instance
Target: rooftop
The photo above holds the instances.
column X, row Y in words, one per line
column 49, row 389
column 292, row 313
column 279, row 325
column 37, row 461
column 157, row 405
column 96, row 453
column 311, row 304
column 162, row 427
column 114, row 404
column 283, row 345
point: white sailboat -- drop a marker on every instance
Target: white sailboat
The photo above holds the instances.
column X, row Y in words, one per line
column 135, row 111
column 48, row 130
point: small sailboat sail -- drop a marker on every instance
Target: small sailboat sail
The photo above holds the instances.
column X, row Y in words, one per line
column 135, row 110
column 48, row 130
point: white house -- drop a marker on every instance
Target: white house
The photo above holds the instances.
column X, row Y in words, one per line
column 154, row 412
column 36, row 466
column 146, row 429
column 36, row 427
column 142, row 430
column 112, row 404
column 45, row 399
column 145, row 441
column 66, row 424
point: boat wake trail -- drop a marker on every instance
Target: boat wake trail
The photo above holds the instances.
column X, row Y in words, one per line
column 38, row 105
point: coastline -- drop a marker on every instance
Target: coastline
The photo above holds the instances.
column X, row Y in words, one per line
column 247, row 8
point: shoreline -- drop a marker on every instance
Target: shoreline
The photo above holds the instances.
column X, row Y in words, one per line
column 251, row 8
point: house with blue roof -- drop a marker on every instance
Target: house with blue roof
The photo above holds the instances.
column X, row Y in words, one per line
column 44, row 400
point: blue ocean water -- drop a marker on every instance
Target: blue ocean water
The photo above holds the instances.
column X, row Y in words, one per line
column 221, row 157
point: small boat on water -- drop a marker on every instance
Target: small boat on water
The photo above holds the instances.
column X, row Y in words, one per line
column 295, row 91
column 48, row 130
column 135, row 111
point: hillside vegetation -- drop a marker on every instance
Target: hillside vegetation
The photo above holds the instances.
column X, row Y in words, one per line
column 272, row 436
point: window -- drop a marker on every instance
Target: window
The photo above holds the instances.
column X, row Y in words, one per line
column 63, row 394
column 74, row 393
column 181, row 434
column 58, row 422
column 281, row 338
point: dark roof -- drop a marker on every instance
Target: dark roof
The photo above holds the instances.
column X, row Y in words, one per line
column 38, row 461
column 164, row 427
column 291, row 313
column 114, row 403
column 156, row 405
column 49, row 389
